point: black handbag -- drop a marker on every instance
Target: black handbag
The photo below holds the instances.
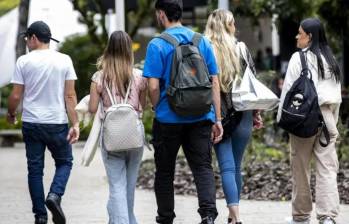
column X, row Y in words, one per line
column 231, row 121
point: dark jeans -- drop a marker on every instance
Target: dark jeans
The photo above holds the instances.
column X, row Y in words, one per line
column 36, row 138
column 196, row 143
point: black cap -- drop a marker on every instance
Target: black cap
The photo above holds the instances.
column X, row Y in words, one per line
column 41, row 31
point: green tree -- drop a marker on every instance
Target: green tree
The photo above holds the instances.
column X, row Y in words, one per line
column 84, row 53
column 89, row 9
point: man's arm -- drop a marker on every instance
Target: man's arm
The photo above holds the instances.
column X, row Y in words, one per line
column 13, row 101
column 154, row 91
column 70, row 103
column 218, row 129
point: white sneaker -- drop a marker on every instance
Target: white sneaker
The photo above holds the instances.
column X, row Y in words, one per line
column 327, row 220
column 289, row 220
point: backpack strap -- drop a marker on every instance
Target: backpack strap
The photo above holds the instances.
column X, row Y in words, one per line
column 324, row 131
column 196, row 39
column 305, row 68
column 304, row 63
column 111, row 98
column 169, row 38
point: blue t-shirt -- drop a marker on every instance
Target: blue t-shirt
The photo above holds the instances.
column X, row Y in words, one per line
column 158, row 63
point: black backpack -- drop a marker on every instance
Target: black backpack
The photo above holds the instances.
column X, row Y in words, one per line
column 301, row 114
column 190, row 89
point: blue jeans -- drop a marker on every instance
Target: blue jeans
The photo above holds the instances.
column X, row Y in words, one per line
column 122, row 171
column 36, row 138
column 229, row 154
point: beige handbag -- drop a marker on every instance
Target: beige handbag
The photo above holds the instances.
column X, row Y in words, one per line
column 122, row 128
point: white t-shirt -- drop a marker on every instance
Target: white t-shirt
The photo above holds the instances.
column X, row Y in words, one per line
column 43, row 74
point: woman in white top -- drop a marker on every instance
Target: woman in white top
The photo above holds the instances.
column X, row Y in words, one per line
column 116, row 72
column 311, row 39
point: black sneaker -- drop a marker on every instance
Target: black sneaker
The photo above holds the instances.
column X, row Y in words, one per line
column 230, row 221
column 40, row 220
column 207, row 220
column 53, row 203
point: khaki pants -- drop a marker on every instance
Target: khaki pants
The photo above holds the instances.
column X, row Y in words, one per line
column 326, row 161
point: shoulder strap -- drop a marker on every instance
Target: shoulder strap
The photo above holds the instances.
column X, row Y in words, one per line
column 305, row 68
column 112, row 99
column 196, row 39
column 304, row 63
column 169, row 38
column 243, row 52
column 324, row 131
column 128, row 90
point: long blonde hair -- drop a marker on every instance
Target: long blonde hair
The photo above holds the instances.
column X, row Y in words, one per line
column 116, row 63
column 218, row 31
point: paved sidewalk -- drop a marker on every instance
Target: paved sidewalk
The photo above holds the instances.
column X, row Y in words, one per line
column 87, row 192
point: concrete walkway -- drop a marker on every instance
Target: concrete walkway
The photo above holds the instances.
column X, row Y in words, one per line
column 87, row 192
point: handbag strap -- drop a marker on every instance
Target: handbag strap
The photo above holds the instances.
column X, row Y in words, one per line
column 243, row 53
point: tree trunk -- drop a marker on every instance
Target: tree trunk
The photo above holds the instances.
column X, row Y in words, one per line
column 22, row 27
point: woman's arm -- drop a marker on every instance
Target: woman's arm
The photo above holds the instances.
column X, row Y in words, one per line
column 94, row 98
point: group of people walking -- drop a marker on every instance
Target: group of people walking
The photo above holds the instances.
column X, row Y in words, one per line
column 44, row 79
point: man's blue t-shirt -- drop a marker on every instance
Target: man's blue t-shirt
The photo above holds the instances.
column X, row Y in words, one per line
column 158, row 63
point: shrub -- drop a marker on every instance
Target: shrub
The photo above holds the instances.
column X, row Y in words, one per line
column 84, row 54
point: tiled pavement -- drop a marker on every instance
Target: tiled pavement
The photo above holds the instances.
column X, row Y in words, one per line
column 86, row 195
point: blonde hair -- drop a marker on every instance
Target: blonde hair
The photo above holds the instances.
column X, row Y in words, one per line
column 218, row 31
column 116, row 63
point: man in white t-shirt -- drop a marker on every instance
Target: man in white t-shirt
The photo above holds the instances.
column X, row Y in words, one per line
column 44, row 80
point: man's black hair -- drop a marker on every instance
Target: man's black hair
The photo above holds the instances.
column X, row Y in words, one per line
column 172, row 8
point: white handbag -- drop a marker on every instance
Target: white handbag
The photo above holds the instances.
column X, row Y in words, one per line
column 249, row 93
column 122, row 127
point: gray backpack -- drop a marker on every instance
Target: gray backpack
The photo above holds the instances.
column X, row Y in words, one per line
column 190, row 89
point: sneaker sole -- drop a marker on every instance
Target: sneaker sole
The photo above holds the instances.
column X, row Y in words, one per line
column 57, row 215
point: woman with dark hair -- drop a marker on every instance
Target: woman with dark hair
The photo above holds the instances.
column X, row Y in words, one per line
column 311, row 39
column 116, row 73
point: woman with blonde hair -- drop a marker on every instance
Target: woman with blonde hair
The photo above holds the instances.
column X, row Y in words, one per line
column 117, row 74
column 220, row 30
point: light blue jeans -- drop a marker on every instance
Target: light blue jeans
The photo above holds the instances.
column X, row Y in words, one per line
column 229, row 154
column 122, row 171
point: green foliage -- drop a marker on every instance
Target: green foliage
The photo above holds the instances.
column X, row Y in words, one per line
column 140, row 16
column 7, row 5
column 343, row 143
column 84, row 54
column 5, row 93
column 148, row 116
column 89, row 18
column 5, row 125
column 285, row 9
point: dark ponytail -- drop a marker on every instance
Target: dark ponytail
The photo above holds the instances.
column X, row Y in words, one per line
column 320, row 46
